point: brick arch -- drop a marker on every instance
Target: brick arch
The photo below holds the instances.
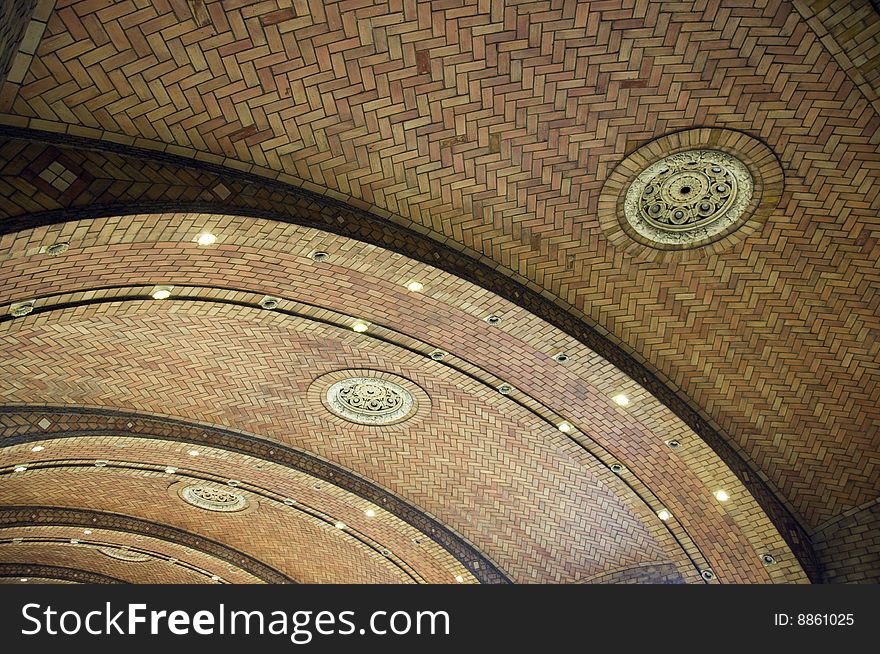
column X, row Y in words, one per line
column 263, row 199
column 77, row 422
column 16, row 516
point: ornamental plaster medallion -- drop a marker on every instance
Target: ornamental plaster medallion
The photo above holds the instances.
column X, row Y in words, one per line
column 211, row 498
column 124, row 555
column 688, row 197
column 369, row 400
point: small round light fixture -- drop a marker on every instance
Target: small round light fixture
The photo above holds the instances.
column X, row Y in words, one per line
column 270, row 302
column 439, row 355
column 233, row 483
column 57, row 248
column 616, row 468
column 360, row 326
column 101, row 463
column 289, row 501
column 319, row 256
column 215, row 578
column 20, row 309
column 37, row 448
column 339, row 524
column 620, row 399
column 708, row 575
column 193, row 452
column 564, row 427
column 161, row 293
column 206, row 238
column 20, row 468
column 370, row 513
column 385, row 552
column 768, row 559
column 459, row 579
column 170, row 470
column 561, row 357
column 23, row 580
column 493, row 319
column 505, row 389
column 664, row 515
column 415, row 287
column 87, row 532
column 674, row 444
column 721, row 495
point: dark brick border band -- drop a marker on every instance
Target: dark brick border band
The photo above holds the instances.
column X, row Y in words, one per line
column 34, row 516
column 62, row 573
column 171, row 429
column 259, row 197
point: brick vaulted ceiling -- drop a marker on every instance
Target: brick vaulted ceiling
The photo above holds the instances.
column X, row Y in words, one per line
column 466, row 145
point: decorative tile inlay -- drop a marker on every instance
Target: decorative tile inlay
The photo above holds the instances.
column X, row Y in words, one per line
column 58, row 176
column 211, row 498
column 369, row 400
column 689, row 196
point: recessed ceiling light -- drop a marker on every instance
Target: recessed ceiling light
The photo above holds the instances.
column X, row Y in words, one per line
column 74, row 541
column 664, row 515
column 19, row 309
column 270, row 302
column 206, row 238
column 360, row 326
column 170, row 470
column 370, row 513
column 101, row 463
column 57, row 248
column 319, row 256
column 722, row 495
column 37, row 448
column 415, row 287
column 87, row 532
column 493, row 319
column 193, row 452
column 439, row 355
column 340, row 525
column 565, row 427
column 215, row 578
column 161, row 292
column 289, row 501
column 20, row 468
column 620, row 399
column 562, row 357
column 459, row 579
column 505, row 389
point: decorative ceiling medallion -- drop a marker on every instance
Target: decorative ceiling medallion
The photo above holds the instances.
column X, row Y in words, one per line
column 212, row 498
column 369, row 400
column 687, row 197
column 700, row 188
column 124, row 555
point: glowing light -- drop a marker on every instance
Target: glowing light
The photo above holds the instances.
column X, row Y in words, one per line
column 37, row 448
column 722, row 495
column 360, row 326
column 370, row 513
column 565, row 427
column 206, row 238
column 664, row 515
column 415, row 287
column 620, row 399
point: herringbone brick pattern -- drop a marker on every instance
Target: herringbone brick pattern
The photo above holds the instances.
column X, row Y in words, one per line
column 294, row 546
column 495, row 125
column 265, row 258
column 506, row 488
column 190, row 564
column 383, row 531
